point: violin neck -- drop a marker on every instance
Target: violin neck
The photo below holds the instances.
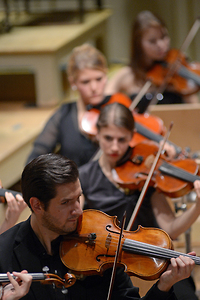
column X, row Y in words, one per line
column 35, row 276
column 179, row 173
column 2, row 192
column 136, row 247
column 185, row 73
column 149, row 134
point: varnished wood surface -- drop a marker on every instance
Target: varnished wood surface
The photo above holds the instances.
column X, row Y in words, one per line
column 19, row 128
column 51, row 38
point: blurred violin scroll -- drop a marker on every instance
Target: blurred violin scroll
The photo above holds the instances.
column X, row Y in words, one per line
column 185, row 78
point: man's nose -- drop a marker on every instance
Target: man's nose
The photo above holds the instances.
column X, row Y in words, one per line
column 77, row 209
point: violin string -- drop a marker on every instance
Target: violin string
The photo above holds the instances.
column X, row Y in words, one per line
column 138, row 247
column 155, row 250
column 177, row 172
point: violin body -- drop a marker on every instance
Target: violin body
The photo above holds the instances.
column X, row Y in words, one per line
column 85, row 255
column 180, row 76
column 144, row 253
column 175, row 181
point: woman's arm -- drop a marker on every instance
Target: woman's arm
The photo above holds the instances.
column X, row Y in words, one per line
column 191, row 99
column 166, row 219
column 48, row 138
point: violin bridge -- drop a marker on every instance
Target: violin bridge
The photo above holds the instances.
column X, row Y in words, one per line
column 108, row 241
column 149, row 161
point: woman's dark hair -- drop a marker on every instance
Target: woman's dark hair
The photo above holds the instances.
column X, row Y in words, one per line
column 116, row 114
column 43, row 174
column 144, row 20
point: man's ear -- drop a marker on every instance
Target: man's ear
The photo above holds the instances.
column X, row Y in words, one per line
column 36, row 205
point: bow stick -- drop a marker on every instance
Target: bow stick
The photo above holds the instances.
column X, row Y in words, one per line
column 143, row 192
column 116, row 258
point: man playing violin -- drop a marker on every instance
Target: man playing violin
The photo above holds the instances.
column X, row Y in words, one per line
column 52, row 190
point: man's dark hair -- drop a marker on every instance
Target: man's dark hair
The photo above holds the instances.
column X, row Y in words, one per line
column 44, row 173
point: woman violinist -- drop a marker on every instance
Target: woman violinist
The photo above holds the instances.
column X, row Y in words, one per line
column 115, row 130
column 87, row 74
column 150, row 44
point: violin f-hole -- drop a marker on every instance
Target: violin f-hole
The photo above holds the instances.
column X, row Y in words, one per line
column 112, row 231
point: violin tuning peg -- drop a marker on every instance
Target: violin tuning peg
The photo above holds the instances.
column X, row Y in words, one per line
column 45, row 269
column 64, row 290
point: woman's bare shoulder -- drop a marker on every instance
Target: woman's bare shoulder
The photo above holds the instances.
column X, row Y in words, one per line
column 126, row 70
column 118, row 82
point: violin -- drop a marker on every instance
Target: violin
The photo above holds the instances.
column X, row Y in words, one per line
column 45, row 278
column 144, row 253
column 184, row 78
column 174, row 178
column 147, row 126
column 89, row 120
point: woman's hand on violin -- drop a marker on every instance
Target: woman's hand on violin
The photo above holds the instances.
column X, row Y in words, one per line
column 170, row 150
column 179, row 269
column 14, row 208
column 18, row 287
column 197, row 189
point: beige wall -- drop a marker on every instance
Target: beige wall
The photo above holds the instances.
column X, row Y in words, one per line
column 179, row 16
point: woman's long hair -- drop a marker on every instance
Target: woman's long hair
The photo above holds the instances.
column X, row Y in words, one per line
column 143, row 22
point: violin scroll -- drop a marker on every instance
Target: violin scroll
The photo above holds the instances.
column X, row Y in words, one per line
column 183, row 77
column 68, row 281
